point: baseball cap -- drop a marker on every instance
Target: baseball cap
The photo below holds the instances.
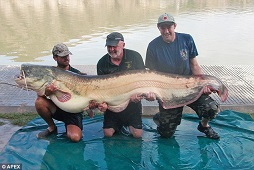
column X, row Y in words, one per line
column 113, row 39
column 166, row 19
column 61, row 50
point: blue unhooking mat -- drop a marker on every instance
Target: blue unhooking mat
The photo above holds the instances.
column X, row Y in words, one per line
column 188, row 149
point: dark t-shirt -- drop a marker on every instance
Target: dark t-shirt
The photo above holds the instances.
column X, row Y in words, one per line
column 171, row 57
column 74, row 70
column 132, row 60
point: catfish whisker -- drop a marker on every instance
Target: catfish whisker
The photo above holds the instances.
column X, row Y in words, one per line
column 9, row 84
column 25, row 81
column 21, row 90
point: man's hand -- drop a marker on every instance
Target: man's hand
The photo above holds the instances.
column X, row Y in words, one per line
column 150, row 96
column 136, row 98
column 50, row 89
column 208, row 90
column 103, row 106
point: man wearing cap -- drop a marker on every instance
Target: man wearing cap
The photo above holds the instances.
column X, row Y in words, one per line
column 175, row 53
column 119, row 59
column 48, row 110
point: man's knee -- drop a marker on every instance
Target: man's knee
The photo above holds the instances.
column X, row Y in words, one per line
column 209, row 110
column 74, row 133
column 74, row 137
column 167, row 122
column 40, row 102
column 137, row 133
column 109, row 132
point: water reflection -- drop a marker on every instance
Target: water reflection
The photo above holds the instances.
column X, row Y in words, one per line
column 222, row 29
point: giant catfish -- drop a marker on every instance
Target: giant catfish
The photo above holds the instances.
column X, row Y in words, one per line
column 74, row 91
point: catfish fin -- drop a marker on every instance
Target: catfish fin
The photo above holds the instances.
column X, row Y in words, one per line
column 62, row 96
column 176, row 102
column 118, row 108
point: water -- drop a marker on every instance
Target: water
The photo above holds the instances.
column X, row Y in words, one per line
column 222, row 29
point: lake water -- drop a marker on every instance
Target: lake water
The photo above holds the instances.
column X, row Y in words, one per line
column 222, row 29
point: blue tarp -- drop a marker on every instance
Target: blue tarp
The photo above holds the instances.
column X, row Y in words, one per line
column 188, row 149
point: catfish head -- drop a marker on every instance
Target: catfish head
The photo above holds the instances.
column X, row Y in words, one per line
column 35, row 77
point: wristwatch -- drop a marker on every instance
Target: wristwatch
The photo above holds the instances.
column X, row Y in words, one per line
column 46, row 96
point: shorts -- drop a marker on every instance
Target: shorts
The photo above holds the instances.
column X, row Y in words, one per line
column 69, row 118
column 131, row 116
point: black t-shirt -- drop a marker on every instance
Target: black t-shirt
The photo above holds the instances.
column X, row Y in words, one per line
column 74, row 70
column 132, row 60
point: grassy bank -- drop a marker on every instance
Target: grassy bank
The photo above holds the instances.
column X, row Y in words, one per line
column 19, row 119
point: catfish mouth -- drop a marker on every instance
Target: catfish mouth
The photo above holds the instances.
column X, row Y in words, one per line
column 29, row 83
column 21, row 79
